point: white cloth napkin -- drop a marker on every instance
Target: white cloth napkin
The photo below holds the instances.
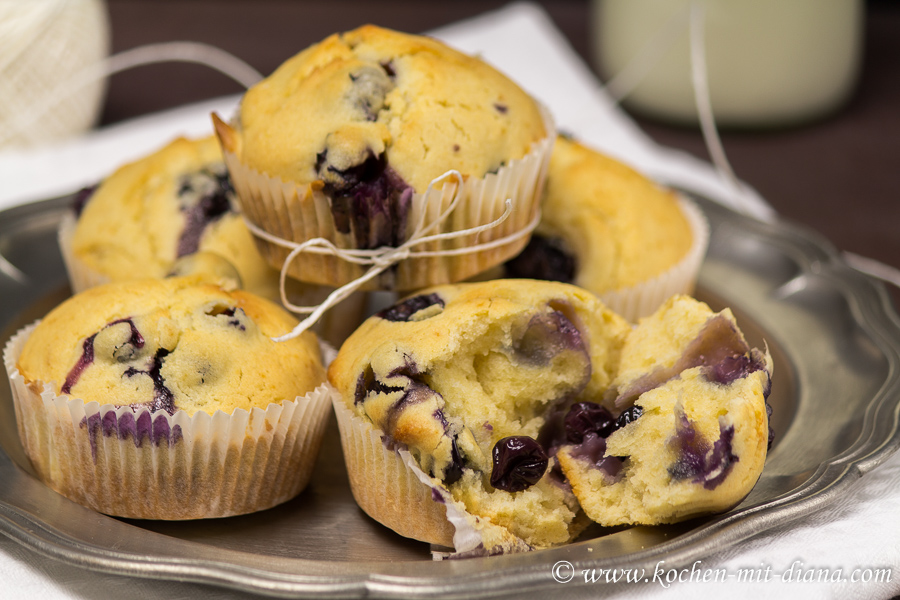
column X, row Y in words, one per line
column 861, row 531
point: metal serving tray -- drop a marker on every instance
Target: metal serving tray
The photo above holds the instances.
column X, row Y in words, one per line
column 832, row 331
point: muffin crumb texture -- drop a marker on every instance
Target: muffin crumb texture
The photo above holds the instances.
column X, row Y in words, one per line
column 525, row 401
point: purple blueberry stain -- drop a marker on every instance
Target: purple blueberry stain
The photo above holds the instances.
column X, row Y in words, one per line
column 519, row 462
column 367, row 382
column 156, row 431
column 84, row 361
column 369, row 198
column 501, row 108
column 715, row 348
column 546, row 336
column 703, row 463
column 204, row 196
column 370, row 86
column 403, row 311
column 163, row 398
column 122, row 353
column 544, row 258
column 592, row 449
column 414, row 393
column 736, row 366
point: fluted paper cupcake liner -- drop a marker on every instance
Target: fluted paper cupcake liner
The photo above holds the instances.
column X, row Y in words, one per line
column 297, row 213
column 642, row 300
column 81, row 276
column 391, row 488
column 140, row 464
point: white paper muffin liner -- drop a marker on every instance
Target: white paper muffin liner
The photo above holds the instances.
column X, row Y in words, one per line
column 152, row 465
column 81, row 276
column 298, row 213
column 391, row 488
column 642, row 300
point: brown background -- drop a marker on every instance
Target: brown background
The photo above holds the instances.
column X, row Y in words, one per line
column 839, row 176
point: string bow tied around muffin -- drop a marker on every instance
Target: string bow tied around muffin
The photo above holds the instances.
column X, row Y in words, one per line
column 380, row 259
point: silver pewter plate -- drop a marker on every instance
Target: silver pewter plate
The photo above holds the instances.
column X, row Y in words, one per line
column 833, row 334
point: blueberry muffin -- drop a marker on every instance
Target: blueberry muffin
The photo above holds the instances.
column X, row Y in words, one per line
column 682, row 431
column 168, row 399
column 454, row 384
column 344, row 140
column 610, row 230
column 150, row 213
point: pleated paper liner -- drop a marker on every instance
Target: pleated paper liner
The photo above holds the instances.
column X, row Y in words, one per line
column 391, row 488
column 642, row 300
column 297, row 213
column 151, row 465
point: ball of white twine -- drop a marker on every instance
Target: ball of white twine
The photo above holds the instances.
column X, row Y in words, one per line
column 42, row 42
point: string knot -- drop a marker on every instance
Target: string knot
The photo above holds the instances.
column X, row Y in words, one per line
column 380, row 259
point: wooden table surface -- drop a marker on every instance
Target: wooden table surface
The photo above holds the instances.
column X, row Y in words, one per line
column 839, row 176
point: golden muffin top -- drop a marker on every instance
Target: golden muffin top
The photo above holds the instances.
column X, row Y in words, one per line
column 173, row 203
column 171, row 344
column 375, row 98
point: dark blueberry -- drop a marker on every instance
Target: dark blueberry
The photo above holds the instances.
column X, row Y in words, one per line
column 543, row 258
column 370, row 197
column 629, row 415
column 501, row 108
column 388, row 67
column 454, row 471
column 81, row 199
column 402, row 311
column 205, row 197
column 588, row 417
column 519, row 463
